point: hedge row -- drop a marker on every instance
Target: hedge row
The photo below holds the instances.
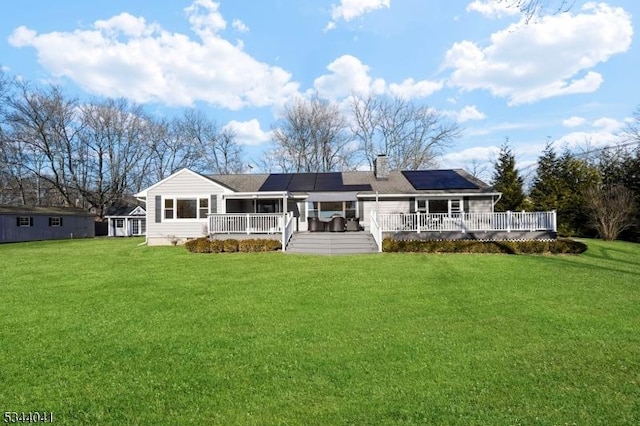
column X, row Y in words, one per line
column 204, row 245
column 560, row 246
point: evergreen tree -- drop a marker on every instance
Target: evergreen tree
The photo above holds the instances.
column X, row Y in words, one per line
column 561, row 184
column 546, row 188
column 507, row 181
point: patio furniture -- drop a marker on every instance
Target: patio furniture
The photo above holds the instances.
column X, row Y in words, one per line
column 337, row 224
column 353, row 224
column 315, row 224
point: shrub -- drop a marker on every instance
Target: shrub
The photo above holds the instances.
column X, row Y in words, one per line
column 217, row 246
column 190, row 245
column 204, row 245
column 230, row 246
column 560, row 246
column 198, row 245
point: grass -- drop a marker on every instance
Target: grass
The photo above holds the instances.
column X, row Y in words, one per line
column 108, row 332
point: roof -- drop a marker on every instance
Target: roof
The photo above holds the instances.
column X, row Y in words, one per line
column 40, row 210
column 361, row 181
column 121, row 210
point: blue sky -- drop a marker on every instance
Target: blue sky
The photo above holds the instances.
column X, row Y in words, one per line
column 571, row 78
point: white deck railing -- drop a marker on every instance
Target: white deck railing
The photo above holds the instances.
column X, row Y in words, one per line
column 287, row 230
column 376, row 230
column 467, row 222
column 246, row 223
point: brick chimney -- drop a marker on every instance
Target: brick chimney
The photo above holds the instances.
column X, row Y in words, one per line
column 381, row 167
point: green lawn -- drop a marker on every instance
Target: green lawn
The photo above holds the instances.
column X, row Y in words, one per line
column 109, row 332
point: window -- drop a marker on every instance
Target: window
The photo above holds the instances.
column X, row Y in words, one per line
column 186, row 208
column 439, row 206
column 119, row 223
column 268, row 206
column 168, row 208
column 456, row 207
column 204, row 207
column 326, row 209
column 24, row 221
column 55, row 221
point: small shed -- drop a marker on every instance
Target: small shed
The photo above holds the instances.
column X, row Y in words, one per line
column 24, row 223
column 126, row 221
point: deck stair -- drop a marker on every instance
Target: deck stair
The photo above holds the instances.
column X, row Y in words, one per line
column 332, row 243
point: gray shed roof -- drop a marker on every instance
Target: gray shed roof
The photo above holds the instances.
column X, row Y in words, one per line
column 38, row 210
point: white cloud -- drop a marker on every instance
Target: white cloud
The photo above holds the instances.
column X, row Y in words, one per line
column 492, row 8
column 479, row 158
column 349, row 75
column 348, row 10
column 248, row 132
column 127, row 57
column 574, row 121
column 589, row 140
column 470, row 112
column 240, row 26
column 527, row 63
column 610, row 125
column 410, row 88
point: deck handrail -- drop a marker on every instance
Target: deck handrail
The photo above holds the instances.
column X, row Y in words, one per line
column 466, row 222
column 287, row 229
column 376, row 230
column 245, row 223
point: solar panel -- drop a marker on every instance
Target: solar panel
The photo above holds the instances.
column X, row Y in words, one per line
column 329, row 182
column 301, row 182
column 308, row 182
column 437, row 180
column 276, row 182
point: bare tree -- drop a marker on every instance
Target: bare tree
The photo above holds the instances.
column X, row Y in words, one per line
column 631, row 132
column 42, row 126
column 208, row 149
column 533, row 8
column 312, row 137
column 610, row 209
column 411, row 136
column 113, row 145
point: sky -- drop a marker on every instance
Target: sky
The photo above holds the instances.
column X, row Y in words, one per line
column 568, row 78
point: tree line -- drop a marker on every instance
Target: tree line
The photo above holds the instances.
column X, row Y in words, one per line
column 594, row 193
column 59, row 150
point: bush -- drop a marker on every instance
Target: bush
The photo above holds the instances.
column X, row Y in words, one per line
column 560, row 246
column 258, row 245
column 230, row 246
column 203, row 245
column 198, row 245
column 217, row 246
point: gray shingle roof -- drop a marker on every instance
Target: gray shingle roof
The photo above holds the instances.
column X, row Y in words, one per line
column 395, row 184
column 33, row 210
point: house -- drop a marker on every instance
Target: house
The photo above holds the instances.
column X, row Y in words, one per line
column 24, row 223
column 126, row 221
column 428, row 204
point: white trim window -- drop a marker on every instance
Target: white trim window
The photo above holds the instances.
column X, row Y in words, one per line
column 119, row 223
column 448, row 206
column 177, row 208
column 24, row 221
column 55, row 222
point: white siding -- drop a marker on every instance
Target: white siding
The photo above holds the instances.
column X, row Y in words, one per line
column 480, row 205
column 384, row 206
column 182, row 184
